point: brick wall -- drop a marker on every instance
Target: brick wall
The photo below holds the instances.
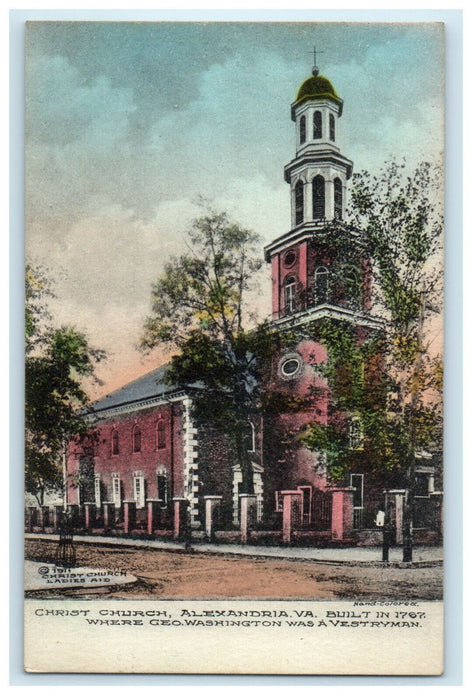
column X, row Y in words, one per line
column 147, row 460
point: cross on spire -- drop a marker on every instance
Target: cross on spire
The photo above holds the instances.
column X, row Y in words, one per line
column 315, row 70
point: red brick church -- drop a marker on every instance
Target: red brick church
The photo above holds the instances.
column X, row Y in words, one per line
column 147, row 453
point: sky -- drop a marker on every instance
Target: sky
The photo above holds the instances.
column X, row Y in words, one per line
column 128, row 124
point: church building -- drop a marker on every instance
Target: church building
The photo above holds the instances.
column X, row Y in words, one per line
column 146, row 453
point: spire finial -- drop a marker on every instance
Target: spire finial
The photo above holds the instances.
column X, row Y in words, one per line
column 315, row 70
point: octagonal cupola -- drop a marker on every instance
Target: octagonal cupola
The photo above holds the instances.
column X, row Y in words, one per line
column 319, row 172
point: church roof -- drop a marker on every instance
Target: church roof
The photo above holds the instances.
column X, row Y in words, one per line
column 148, row 386
column 316, row 87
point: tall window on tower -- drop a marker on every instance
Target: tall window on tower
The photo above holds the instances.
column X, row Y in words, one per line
column 351, row 287
column 298, row 203
column 338, row 198
column 321, row 285
column 317, row 125
column 302, row 130
column 318, row 197
column 332, row 128
column 290, row 290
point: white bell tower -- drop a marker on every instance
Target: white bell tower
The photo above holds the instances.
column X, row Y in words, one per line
column 319, row 172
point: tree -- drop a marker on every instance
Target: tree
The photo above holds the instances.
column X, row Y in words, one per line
column 201, row 307
column 56, row 362
column 402, row 221
column 398, row 219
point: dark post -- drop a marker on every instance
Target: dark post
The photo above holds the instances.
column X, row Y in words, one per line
column 187, row 526
column 65, row 552
column 408, row 528
column 387, row 533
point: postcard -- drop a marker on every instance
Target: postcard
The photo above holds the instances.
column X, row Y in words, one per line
column 234, row 347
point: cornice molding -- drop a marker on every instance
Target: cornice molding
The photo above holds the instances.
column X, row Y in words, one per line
column 131, row 407
column 330, row 311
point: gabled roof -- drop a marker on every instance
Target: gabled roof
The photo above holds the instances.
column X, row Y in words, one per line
column 150, row 385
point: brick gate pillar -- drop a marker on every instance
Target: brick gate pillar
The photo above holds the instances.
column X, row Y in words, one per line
column 90, row 513
column 108, row 514
column 180, row 517
column 248, row 514
column 342, row 514
column 129, row 508
column 154, row 506
column 291, row 513
column 212, row 508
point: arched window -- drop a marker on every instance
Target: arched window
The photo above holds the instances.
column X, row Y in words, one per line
column 290, row 288
column 302, row 130
column 321, row 285
column 332, row 128
column 356, row 438
column 299, row 203
column 317, row 125
column 338, row 198
column 318, row 197
column 250, row 437
column 352, row 287
column 160, row 435
column 136, row 439
column 115, row 442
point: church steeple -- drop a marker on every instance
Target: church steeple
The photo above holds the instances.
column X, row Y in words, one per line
column 312, row 275
column 319, row 172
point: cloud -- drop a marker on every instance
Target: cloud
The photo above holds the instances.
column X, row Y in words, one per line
column 114, row 165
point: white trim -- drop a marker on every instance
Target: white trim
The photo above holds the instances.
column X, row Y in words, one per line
column 161, row 471
column 97, row 486
column 191, row 482
column 257, row 472
column 139, row 489
column 329, row 311
column 116, row 489
column 131, row 407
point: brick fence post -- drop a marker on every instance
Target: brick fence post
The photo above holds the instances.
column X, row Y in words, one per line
column 153, row 514
column 342, row 516
column 248, row 514
column 180, row 517
column 291, row 513
column 90, row 512
column 129, row 508
column 212, row 506
column 108, row 514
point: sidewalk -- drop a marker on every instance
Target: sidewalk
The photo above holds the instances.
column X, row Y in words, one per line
column 422, row 555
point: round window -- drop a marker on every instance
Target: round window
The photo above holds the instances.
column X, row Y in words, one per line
column 290, row 258
column 290, row 366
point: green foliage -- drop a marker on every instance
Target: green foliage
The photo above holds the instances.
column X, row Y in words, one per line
column 56, row 362
column 398, row 215
column 355, row 391
column 388, row 381
column 206, row 288
column 200, row 306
